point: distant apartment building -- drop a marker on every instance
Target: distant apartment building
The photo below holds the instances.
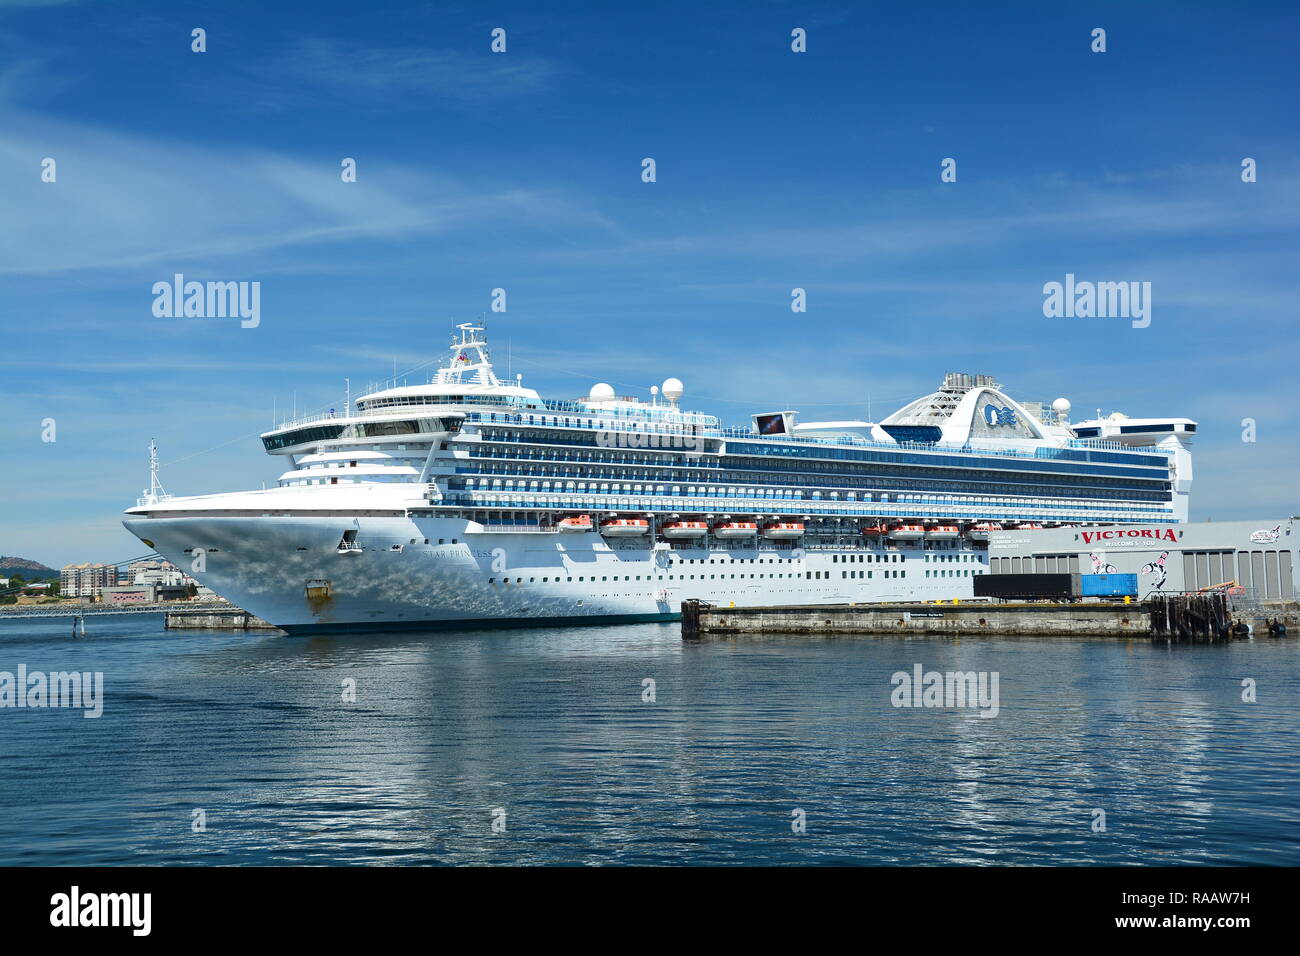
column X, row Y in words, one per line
column 86, row 580
column 162, row 573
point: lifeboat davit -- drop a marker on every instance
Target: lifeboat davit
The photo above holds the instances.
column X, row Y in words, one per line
column 735, row 529
column 783, row 530
column 874, row 529
column 980, row 532
column 624, row 527
column 574, row 523
column 684, row 529
column 942, row 532
column 907, row 532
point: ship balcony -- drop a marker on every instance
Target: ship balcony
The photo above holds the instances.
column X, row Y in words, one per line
column 1074, row 513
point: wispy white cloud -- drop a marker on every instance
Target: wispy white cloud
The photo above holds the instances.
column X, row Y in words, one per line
column 125, row 201
column 319, row 68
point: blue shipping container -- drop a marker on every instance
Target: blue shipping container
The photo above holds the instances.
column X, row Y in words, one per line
column 1108, row 585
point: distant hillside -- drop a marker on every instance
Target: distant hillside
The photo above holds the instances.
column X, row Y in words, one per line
column 30, row 570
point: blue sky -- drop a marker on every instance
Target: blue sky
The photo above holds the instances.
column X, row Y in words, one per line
column 522, row 171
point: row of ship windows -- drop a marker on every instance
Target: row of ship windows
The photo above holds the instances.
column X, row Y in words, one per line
column 367, row 479
column 717, row 471
column 807, row 575
column 749, row 493
column 1040, row 459
column 489, row 483
column 632, row 422
column 483, row 450
column 848, row 528
column 370, row 463
column 1023, row 509
column 845, row 558
column 369, row 404
column 1039, row 453
column 356, row 430
column 646, row 433
column 770, row 494
column 835, row 558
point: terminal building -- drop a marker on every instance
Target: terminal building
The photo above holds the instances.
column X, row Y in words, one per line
column 1259, row 556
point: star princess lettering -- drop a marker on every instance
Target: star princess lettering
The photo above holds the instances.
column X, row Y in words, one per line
column 1156, row 534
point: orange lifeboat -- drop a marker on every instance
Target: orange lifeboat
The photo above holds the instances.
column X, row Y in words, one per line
column 873, row 529
column 684, row 529
column 574, row 523
column 942, row 532
column 735, row 529
column 906, row 532
column 1029, row 527
column 783, row 530
column 624, row 527
column 980, row 532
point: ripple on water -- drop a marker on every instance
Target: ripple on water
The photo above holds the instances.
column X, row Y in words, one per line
column 550, row 726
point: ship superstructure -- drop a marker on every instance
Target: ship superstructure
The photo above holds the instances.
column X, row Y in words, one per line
column 467, row 499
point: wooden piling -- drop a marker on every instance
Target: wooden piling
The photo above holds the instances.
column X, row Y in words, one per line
column 1190, row 617
column 691, row 618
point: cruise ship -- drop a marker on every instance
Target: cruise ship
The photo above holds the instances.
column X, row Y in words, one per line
column 468, row 500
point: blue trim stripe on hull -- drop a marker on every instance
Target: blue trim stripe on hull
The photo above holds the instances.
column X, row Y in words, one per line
column 476, row 624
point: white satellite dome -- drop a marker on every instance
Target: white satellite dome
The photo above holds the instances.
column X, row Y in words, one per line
column 600, row 392
column 673, row 389
column 1061, row 406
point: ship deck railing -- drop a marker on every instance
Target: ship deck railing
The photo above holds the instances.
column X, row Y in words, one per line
column 700, row 426
column 1069, row 454
column 506, row 484
column 496, row 501
column 645, row 414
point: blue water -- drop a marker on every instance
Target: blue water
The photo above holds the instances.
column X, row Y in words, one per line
column 550, row 726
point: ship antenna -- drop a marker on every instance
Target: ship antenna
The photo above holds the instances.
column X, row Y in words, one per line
column 155, row 492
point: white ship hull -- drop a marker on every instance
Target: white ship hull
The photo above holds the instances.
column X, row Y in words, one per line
column 264, row 564
column 439, row 503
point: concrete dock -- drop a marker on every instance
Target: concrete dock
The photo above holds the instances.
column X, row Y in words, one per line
column 1199, row 619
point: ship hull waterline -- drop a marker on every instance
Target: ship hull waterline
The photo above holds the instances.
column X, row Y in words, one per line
column 267, row 564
